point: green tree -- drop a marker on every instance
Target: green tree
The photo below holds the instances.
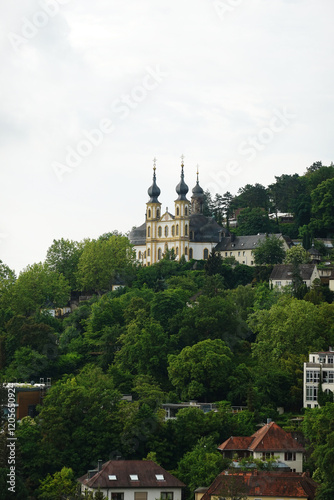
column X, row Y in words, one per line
column 39, row 287
column 297, row 255
column 201, row 465
column 63, row 257
column 323, row 207
column 102, row 261
column 214, row 263
column 254, row 221
column 252, row 197
column 201, row 370
column 60, row 485
column 269, row 251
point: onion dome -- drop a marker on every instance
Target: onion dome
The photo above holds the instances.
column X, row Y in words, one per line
column 153, row 191
column 197, row 190
column 182, row 188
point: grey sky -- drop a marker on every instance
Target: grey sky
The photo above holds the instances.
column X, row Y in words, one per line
column 92, row 91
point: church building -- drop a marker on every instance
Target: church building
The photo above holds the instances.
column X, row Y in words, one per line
column 187, row 232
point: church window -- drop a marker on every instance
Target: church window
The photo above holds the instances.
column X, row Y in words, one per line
column 177, row 211
column 205, row 254
column 177, row 229
column 166, row 231
column 149, row 213
column 158, row 213
column 186, row 211
column 186, row 230
column 159, row 254
column 159, row 231
column 139, row 255
column 149, row 231
column 148, row 252
column 173, row 230
column 190, row 253
column 145, row 254
column 177, row 250
column 186, row 251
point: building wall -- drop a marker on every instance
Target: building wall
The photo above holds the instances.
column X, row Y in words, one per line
column 129, row 494
column 295, row 465
column 319, row 365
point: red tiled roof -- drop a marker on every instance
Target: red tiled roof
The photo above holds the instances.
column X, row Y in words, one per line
column 263, row 483
column 236, row 443
column 271, row 437
column 146, row 471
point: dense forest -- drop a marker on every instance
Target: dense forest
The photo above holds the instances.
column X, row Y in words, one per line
column 211, row 331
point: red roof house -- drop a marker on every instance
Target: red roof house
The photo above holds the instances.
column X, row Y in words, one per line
column 262, row 484
column 268, row 442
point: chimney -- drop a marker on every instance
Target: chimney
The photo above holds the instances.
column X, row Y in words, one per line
column 268, row 421
column 99, row 465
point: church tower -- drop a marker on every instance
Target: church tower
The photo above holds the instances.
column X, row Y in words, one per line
column 182, row 213
column 153, row 214
column 197, row 199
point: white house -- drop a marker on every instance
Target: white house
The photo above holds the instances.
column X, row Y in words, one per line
column 282, row 274
column 268, row 442
column 320, row 366
column 132, row 480
column 242, row 247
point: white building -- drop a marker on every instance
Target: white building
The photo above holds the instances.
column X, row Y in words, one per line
column 132, row 480
column 282, row 275
column 320, row 367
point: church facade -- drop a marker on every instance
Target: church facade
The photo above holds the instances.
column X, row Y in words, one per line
column 187, row 232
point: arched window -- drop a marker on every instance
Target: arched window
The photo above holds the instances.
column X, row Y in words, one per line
column 186, row 211
column 148, row 252
column 139, row 255
column 190, row 253
column 173, row 230
column 149, row 231
column 186, row 230
column 186, row 251
column 159, row 231
column 149, row 213
column 177, row 211
column 145, row 254
column 177, row 229
column 205, row 254
column 159, row 254
column 166, row 231
column 158, row 213
column 177, row 250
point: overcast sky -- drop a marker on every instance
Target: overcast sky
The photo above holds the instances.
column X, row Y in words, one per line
column 91, row 92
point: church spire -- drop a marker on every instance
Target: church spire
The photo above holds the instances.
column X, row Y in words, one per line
column 197, row 198
column 182, row 188
column 153, row 191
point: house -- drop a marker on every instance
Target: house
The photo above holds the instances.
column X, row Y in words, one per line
column 268, row 442
column 132, row 480
column 26, row 396
column 319, row 367
column 242, row 247
column 282, row 274
column 187, row 232
column 171, row 409
column 258, row 485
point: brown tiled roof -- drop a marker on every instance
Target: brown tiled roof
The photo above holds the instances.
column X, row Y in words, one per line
column 236, row 443
column 271, row 437
column 264, row 483
column 146, row 471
